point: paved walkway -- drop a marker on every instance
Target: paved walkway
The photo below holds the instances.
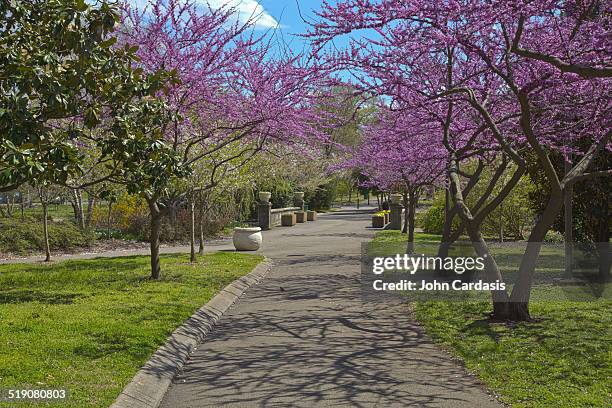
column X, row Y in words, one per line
column 218, row 245
column 303, row 337
column 143, row 249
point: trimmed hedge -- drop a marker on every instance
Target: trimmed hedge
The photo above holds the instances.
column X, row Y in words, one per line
column 22, row 236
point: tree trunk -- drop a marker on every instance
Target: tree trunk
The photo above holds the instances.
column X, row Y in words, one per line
column 108, row 219
column 73, row 202
column 91, row 204
column 10, row 203
column 156, row 221
column 413, row 198
column 501, row 222
column 406, row 210
column 500, row 298
column 522, row 289
column 77, row 204
column 192, row 230
column 81, row 219
column 201, row 248
column 449, row 215
column 568, row 223
column 45, row 207
column 449, row 240
column 447, row 235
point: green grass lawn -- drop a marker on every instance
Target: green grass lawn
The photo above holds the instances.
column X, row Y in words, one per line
column 561, row 359
column 56, row 211
column 89, row 325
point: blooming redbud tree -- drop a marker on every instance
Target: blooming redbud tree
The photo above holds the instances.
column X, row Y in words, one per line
column 232, row 99
column 508, row 80
column 396, row 154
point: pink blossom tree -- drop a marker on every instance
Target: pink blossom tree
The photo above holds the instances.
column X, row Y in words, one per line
column 397, row 155
column 233, row 95
column 507, row 79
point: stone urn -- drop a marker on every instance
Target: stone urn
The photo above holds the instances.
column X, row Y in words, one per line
column 264, row 196
column 396, row 198
column 298, row 196
column 247, row 239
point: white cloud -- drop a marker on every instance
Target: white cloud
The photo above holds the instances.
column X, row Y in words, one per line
column 247, row 10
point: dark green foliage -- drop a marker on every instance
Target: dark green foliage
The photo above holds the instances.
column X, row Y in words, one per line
column 591, row 200
column 323, row 197
column 58, row 61
column 282, row 194
column 432, row 221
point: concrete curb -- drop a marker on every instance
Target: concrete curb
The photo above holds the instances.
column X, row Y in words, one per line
column 149, row 385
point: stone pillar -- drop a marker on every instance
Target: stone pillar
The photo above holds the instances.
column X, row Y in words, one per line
column 395, row 222
column 298, row 200
column 264, row 215
column 264, row 210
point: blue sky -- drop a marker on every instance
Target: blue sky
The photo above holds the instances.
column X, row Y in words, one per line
column 290, row 18
column 282, row 15
column 273, row 13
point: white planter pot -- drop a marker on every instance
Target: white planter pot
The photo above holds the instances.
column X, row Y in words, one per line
column 396, row 198
column 247, row 239
column 264, row 196
column 298, row 195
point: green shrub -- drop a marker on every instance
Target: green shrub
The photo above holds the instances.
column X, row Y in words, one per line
column 432, row 221
column 554, row 237
column 282, row 194
column 323, row 197
column 130, row 218
column 513, row 214
column 22, row 236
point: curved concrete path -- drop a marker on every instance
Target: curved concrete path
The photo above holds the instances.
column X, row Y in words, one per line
column 303, row 337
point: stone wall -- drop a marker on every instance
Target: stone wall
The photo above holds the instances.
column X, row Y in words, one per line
column 276, row 213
